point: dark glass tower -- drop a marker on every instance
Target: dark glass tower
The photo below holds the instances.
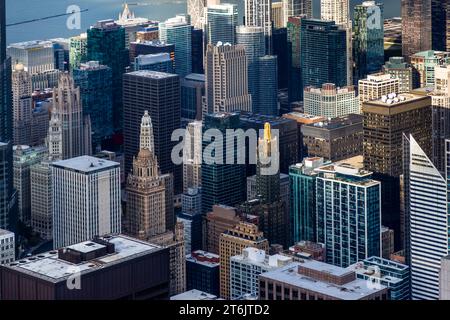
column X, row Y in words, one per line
column 323, row 58
column 6, row 179
column 222, row 183
column 106, row 44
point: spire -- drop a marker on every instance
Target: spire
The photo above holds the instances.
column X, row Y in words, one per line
column 147, row 133
column 54, row 138
column 126, row 14
column 267, row 132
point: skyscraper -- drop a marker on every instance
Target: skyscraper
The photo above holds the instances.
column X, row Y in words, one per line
column 302, row 179
column 78, row 183
column 192, row 156
column 424, row 64
column 222, row 183
column 195, row 10
column 397, row 68
column 232, row 242
column 77, row 50
column 145, row 189
column 226, row 79
column 95, row 83
column 427, row 240
column 376, row 86
column 131, row 24
column 323, row 53
column 41, row 199
column 258, row 13
column 106, row 44
column 335, row 10
column 424, row 26
column 267, row 86
column 6, row 134
column 159, row 93
column 384, row 123
column 22, row 105
column 344, row 183
column 67, row 105
column 368, row 39
column 221, row 22
column 295, row 8
column 295, row 91
column 178, row 31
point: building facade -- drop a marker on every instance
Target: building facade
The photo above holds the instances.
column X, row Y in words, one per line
column 7, row 247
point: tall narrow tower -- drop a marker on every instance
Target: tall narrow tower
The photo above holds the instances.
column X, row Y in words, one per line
column 146, row 189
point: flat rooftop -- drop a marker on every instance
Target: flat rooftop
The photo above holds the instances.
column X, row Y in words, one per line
column 86, row 164
column 4, row 232
column 204, row 258
column 396, row 99
column 152, row 74
column 32, row 44
column 49, row 267
column 194, row 295
column 337, row 123
column 354, row 290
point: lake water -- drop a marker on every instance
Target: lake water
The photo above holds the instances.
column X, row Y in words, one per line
column 22, row 10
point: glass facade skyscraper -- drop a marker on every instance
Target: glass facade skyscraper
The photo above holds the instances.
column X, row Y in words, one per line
column 222, row 183
column 323, row 57
column 95, row 83
column 368, row 39
column 106, row 44
column 267, row 86
column 221, row 22
column 348, row 205
column 178, row 31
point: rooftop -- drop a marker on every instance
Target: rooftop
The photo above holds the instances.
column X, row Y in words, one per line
column 354, row 290
column 85, row 164
column 337, row 123
column 204, row 258
column 394, row 99
column 152, row 74
column 4, row 232
column 196, row 77
column 48, row 266
column 260, row 258
column 194, row 295
column 32, row 44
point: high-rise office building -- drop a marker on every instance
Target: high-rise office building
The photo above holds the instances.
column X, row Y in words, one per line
column 192, row 156
column 424, row 64
column 226, row 84
column 384, row 123
column 142, row 48
column 77, row 50
column 197, row 51
column 280, row 49
column 222, row 182
column 178, row 31
column 192, row 218
column 330, row 102
column 78, row 183
column 295, row 91
column 323, row 57
column 232, row 242
column 95, row 83
column 296, row 8
column 24, row 157
column 221, row 22
column 195, row 10
column 202, row 272
column 267, row 86
column 336, row 139
column 427, row 223
column 159, row 93
column 424, row 26
column 41, row 199
column 344, row 183
column 376, row 86
column 246, row 267
column 258, row 13
column 38, row 59
column 335, row 10
column 399, row 69
column 302, row 179
column 67, row 105
column 7, row 199
column 22, row 105
column 192, row 92
column 252, row 39
column 106, row 44
column 155, row 62
column 145, row 189
column 7, row 247
column 368, row 39
column 277, row 15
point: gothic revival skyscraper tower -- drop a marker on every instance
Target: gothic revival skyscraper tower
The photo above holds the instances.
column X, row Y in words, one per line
column 146, row 189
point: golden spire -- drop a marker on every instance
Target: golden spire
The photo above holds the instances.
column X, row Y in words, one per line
column 267, row 132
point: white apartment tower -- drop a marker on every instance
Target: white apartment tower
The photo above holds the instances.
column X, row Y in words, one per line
column 295, row 8
column 258, row 13
column 86, row 199
column 192, row 156
column 377, row 86
column 331, row 102
column 226, row 79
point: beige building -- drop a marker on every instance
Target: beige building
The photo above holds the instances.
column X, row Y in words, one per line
column 232, row 242
column 226, row 79
column 216, row 222
column 376, row 86
column 277, row 15
column 145, row 189
column 192, row 156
